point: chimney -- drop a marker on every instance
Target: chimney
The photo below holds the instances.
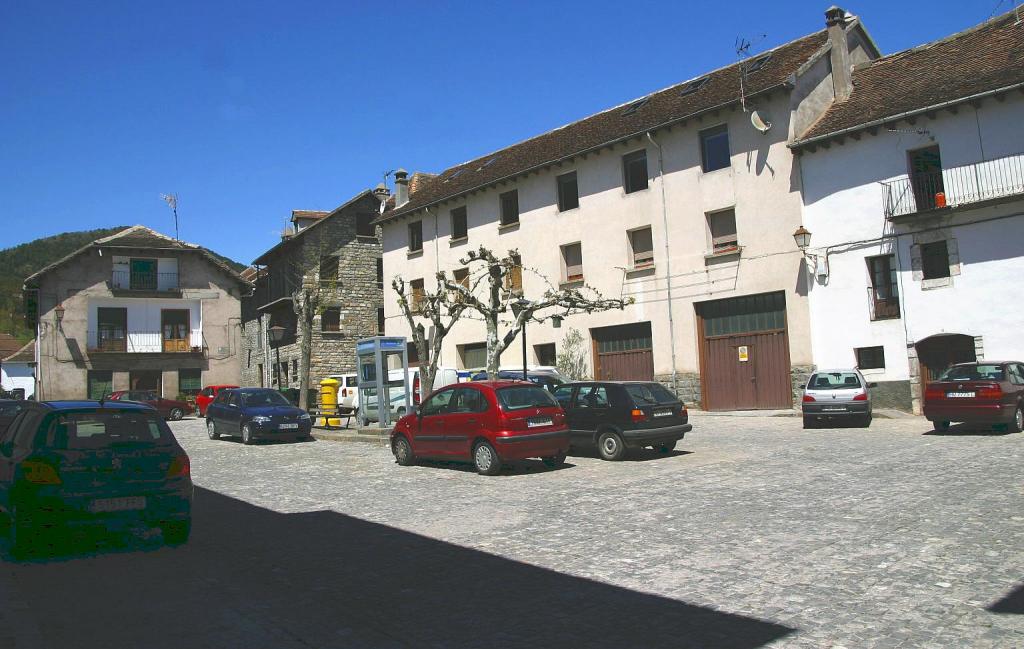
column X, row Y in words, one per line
column 401, row 187
column 842, row 82
column 381, row 192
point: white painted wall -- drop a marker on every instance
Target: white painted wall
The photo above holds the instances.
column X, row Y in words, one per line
column 144, row 320
column 844, row 203
column 18, row 375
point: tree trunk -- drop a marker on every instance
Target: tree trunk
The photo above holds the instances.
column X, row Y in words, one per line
column 493, row 348
column 305, row 349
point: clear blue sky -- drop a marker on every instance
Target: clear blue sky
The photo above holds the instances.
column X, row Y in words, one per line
column 248, row 110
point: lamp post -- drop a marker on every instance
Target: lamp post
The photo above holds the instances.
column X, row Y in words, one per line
column 517, row 307
column 276, row 334
column 802, row 236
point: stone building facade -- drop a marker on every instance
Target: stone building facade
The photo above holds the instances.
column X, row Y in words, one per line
column 339, row 252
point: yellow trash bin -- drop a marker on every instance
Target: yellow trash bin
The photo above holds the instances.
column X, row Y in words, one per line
column 328, row 404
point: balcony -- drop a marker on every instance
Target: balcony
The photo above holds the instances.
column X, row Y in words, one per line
column 883, row 308
column 955, row 187
column 123, row 280
column 120, row 341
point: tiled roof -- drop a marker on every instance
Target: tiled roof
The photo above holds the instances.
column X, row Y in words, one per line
column 984, row 58
column 26, row 354
column 308, row 214
column 8, row 345
column 265, row 257
column 715, row 89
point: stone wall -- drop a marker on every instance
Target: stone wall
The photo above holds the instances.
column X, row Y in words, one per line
column 688, row 386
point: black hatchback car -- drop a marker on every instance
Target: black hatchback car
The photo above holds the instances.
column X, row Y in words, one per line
column 617, row 415
column 71, row 466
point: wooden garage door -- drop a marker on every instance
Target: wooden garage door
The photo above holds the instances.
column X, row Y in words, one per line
column 623, row 353
column 745, row 353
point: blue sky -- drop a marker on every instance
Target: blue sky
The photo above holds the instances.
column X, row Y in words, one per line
column 248, row 110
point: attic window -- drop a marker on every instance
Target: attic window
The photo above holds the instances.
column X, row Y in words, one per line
column 635, row 106
column 758, row 64
column 456, row 174
column 693, row 86
column 488, row 163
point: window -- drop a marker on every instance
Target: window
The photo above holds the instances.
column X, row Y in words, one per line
column 563, row 395
column 437, row 404
column 593, row 396
column 572, row 257
column 635, row 106
column 111, row 329
column 468, row 400
column 284, row 371
column 295, row 368
column 510, row 207
column 641, row 246
column 934, row 260
column 100, row 383
column 870, row 358
column 714, row 148
column 568, row 192
column 473, row 355
column 380, row 321
column 757, row 64
column 514, row 280
column 190, row 381
column 461, row 277
column 885, row 300
column 926, row 176
column 416, row 293
column 328, row 270
column 416, row 236
column 723, row 231
column 546, row 354
column 330, row 319
column 522, row 397
column 693, row 87
column 380, row 272
column 365, row 226
column 143, row 275
column 1016, row 372
column 459, row 223
column 259, row 368
column 634, row 171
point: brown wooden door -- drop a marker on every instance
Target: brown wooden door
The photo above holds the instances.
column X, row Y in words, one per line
column 623, row 353
column 627, row 366
column 761, row 381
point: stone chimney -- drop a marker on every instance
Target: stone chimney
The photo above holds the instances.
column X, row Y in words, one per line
column 842, row 82
column 381, row 192
column 401, row 187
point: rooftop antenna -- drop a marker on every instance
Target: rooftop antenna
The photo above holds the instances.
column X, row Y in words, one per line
column 743, row 53
column 386, row 175
column 172, row 202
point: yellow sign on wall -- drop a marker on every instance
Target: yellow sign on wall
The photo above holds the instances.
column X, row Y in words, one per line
column 744, row 353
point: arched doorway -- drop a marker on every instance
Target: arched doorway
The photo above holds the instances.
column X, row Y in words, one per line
column 936, row 353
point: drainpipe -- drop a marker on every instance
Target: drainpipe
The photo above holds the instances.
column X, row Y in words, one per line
column 668, row 266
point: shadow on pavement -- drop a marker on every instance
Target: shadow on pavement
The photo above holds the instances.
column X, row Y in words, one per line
column 1013, row 602
column 969, row 429
column 255, row 578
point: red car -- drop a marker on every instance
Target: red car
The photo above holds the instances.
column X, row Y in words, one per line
column 987, row 393
column 168, row 408
column 486, row 422
column 208, row 394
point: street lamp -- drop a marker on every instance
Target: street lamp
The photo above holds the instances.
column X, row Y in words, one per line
column 802, row 236
column 276, row 334
column 517, row 307
column 58, row 313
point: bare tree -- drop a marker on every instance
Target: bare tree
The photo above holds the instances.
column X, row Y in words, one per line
column 307, row 302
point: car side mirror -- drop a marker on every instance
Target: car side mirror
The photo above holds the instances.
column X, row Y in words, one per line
column 872, row 385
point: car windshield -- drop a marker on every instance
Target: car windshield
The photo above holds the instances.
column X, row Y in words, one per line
column 646, row 393
column 108, row 428
column 265, row 398
column 979, row 372
column 834, row 381
column 525, row 396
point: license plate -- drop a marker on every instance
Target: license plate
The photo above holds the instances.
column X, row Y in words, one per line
column 834, row 409
column 288, row 426
column 662, row 413
column 118, row 504
column 959, row 395
column 536, row 422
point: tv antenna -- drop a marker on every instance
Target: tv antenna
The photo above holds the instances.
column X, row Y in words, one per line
column 387, row 174
column 743, row 46
column 172, row 202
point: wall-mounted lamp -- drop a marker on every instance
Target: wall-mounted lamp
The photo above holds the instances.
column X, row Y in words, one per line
column 802, row 236
column 556, row 321
column 58, row 313
column 817, row 264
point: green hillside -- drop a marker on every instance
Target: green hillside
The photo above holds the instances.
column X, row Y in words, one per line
column 19, row 262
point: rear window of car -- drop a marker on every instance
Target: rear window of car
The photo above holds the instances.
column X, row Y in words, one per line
column 979, row 372
column 351, row 381
column 107, row 428
column 833, row 381
column 648, row 393
column 524, row 396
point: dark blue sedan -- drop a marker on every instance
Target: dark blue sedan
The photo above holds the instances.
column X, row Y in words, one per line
column 255, row 413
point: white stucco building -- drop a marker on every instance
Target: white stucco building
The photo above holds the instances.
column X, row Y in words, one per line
column 682, row 200
column 913, row 191
column 17, row 371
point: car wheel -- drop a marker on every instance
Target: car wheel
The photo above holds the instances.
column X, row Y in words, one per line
column 403, row 451
column 809, row 422
column 554, row 461
column 1017, row 423
column 176, row 414
column 865, row 421
column 247, row 438
column 486, row 459
column 610, row 446
column 176, row 532
column 666, row 448
column 211, row 429
column 941, row 425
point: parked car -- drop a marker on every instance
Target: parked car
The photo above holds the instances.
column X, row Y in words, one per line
column 548, row 380
column 614, row 416
column 837, row 395
column 485, row 422
column 207, row 395
column 988, row 393
column 348, row 392
column 9, row 409
column 69, row 466
column 256, row 413
column 168, row 408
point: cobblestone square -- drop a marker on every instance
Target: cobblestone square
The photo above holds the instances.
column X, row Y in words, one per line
column 754, row 533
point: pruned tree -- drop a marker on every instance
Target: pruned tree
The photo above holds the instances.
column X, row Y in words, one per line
column 441, row 308
column 572, row 358
column 307, row 302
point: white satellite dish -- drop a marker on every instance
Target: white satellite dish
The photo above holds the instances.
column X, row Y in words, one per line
column 760, row 121
column 381, row 208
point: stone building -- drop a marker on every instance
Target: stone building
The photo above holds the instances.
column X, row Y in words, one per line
column 136, row 310
column 339, row 251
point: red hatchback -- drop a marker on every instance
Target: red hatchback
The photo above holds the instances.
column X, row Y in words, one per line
column 486, row 422
column 988, row 393
column 208, row 394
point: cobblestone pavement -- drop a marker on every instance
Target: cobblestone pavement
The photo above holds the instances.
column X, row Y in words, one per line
column 757, row 534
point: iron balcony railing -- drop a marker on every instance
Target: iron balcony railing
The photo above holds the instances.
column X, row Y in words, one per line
column 117, row 340
column 972, row 183
column 882, row 308
column 144, row 281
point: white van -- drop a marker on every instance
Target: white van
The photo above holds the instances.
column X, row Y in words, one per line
column 348, row 392
column 396, row 391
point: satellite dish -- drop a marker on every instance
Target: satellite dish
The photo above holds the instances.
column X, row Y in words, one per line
column 760, row 121
column 381, row 208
